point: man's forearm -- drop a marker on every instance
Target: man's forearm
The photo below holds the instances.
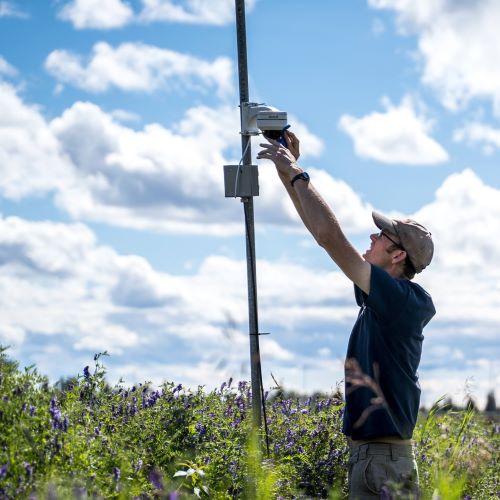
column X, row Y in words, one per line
column 323, row 225
column 295, row 199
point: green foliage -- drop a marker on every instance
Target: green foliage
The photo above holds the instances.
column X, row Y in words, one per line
column 82, row 438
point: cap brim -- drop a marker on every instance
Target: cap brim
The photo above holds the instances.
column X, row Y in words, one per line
column 383, row 222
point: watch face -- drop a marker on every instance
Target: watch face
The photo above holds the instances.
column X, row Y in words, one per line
column 305, row 176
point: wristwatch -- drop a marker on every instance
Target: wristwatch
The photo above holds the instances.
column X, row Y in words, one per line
column 304, row 176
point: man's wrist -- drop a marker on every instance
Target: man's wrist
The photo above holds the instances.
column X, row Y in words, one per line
column 294, row 171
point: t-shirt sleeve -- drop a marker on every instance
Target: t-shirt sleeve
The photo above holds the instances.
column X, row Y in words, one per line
column 388, row 296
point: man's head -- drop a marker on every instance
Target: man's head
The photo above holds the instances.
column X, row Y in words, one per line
column 411, row 237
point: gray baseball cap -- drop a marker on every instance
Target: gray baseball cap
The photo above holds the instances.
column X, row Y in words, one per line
column 414, row 238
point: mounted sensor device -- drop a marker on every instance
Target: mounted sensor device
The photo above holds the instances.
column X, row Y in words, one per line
column 243, row 180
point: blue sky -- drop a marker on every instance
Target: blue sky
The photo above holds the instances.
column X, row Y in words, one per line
column 117, row 117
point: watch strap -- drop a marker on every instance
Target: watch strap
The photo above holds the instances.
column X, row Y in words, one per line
column 304, row 176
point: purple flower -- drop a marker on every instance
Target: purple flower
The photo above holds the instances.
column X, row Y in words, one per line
column 28, row 469
column 116, row 473
column 138, row 465
column 55, row 414
column 222, row 386
column 3, row 471
column 32, row 411
column 173, row 495
column 177, row 389
column 156, row 479
column 65, row 424
column 202, row 430
column 86, row 373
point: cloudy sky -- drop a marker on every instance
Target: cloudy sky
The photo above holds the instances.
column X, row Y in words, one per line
column 116, row 118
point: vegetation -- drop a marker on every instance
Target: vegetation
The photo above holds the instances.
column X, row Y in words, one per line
column 83, row 438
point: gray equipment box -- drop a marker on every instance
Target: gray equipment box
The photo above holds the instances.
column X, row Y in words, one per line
column 241, row 181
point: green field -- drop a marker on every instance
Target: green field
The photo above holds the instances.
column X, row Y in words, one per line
column 85, row 439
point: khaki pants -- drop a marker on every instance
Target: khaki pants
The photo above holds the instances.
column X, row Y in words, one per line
column 382, row 470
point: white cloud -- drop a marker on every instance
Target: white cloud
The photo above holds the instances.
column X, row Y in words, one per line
column 120, row 303
column 31, row 161
column 60, row 287
column 100, row 14
column 156, row 178
column 216, row 12
column 6, row 69
column 165, row 179
column 476, row 132
column 400, row 135
column 459, row 43
column 109, row 14
column 9, row 9
column 464, row 217
column 141, row 68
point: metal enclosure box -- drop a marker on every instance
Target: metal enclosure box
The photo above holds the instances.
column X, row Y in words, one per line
column 241, row 181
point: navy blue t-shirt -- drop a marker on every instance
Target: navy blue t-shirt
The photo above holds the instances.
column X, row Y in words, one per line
column 382, row 389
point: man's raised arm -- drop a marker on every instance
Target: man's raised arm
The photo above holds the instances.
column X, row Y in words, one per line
column 317, row 215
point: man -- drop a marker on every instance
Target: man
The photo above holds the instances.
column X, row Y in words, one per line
column 382, row 390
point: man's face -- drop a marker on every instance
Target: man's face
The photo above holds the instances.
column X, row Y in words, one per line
column 378, row 253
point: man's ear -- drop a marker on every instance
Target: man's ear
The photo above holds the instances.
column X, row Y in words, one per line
column 400, row 256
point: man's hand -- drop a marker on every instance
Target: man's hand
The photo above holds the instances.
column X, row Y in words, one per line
column 292, row 142
column 283, row 158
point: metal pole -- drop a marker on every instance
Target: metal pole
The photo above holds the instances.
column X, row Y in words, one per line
column 255, row 368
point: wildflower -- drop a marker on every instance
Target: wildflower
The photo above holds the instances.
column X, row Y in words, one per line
column 202, row 430
column 3, row 471
column 116, row 473
column 138, row 465
column 86, row 373
column 156, row 479
column 32, row 411
column 222, row 386
column 55, row 414
column 28, row 469
column 177, row 389
column 230, row 382
column 65, row 424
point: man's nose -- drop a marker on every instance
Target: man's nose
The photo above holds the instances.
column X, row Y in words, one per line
column 374, row 237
